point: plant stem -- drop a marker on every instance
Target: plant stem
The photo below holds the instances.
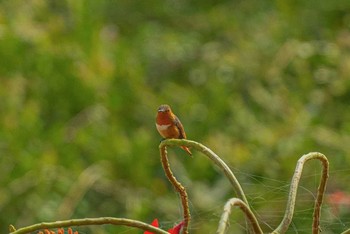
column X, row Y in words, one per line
column 213, row 157
column 287, row 219
column 179, row 188
column 346, row 232
column 90, row 221
column 223, row 224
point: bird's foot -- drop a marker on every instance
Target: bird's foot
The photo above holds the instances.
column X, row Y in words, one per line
column 162, row 140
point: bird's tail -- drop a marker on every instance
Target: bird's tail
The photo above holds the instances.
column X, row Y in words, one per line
column 187, row 150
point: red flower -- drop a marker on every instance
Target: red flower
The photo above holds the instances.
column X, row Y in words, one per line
column 154, row 224
column 175, row 230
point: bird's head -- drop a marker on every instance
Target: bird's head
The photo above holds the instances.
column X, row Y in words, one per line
column 164, row 115
column 164, row 109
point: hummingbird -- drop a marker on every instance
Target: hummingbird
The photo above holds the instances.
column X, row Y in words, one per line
column 169, row 125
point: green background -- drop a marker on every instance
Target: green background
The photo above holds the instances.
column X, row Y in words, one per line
column 259, row 82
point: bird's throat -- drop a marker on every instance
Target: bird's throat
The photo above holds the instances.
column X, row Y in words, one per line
column 163, row 127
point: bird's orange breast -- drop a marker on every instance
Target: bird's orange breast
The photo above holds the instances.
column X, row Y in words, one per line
column 164, row 118
column 168, row 131
column 166, row 126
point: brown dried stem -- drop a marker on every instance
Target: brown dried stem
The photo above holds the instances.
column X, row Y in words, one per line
column 212, row 156
column 178, row 186
column 287, row 219
column 223, row 224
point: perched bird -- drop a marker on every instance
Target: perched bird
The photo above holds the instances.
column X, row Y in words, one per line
column 169, row 125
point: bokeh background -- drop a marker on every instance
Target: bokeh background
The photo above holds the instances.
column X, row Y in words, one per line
column 259, row 82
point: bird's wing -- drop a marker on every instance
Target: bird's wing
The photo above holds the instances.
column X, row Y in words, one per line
column 179, row 126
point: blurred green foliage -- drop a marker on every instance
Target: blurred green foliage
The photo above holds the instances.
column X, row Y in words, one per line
column 259, row 82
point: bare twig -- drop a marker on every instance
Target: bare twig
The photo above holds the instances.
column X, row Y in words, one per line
column 213, row 157
column 90, row 221
column 179, row 188
column 287, row 219
column 223, row 224
column 320, row 191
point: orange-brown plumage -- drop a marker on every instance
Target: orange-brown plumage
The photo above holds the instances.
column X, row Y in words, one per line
column 169, row 125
